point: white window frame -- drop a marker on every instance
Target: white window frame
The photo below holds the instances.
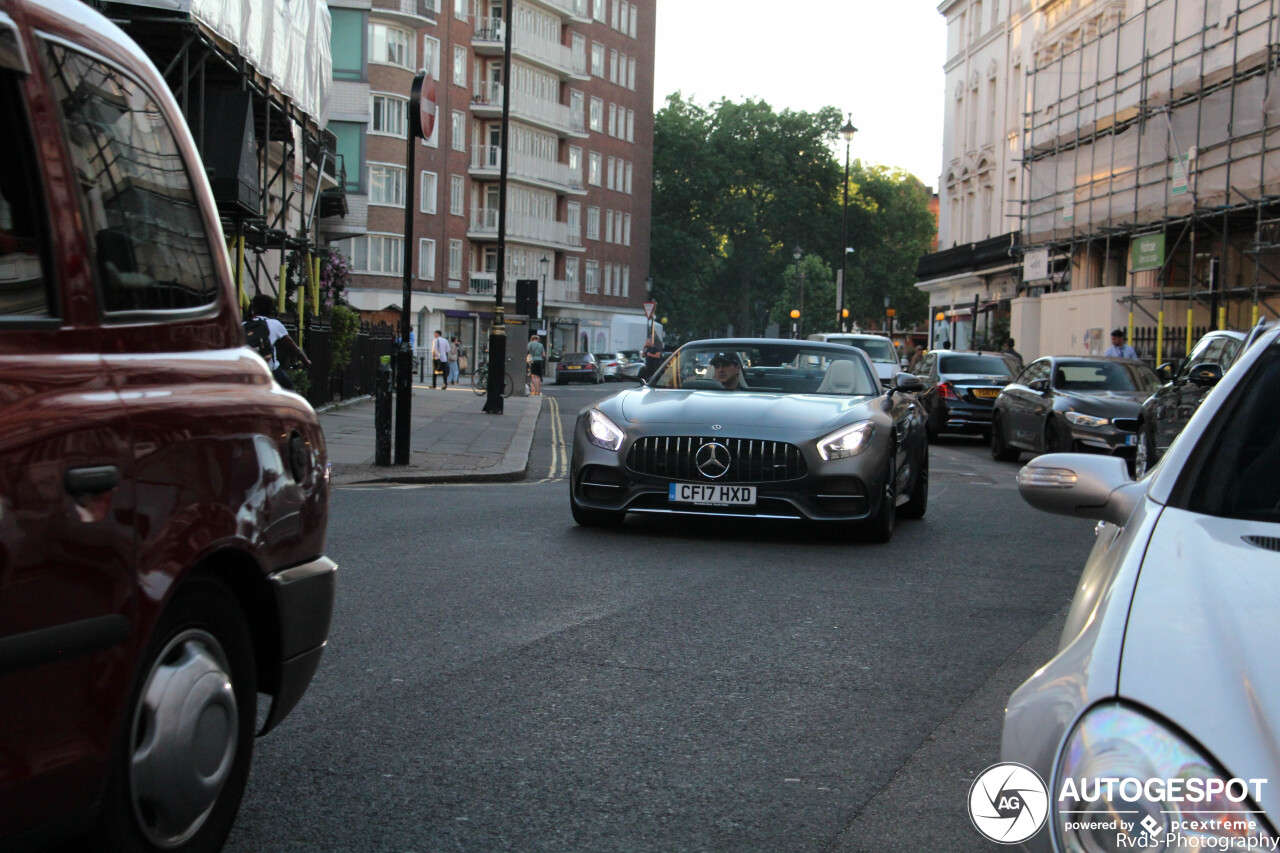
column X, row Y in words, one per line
column 597, row 60
column 405, row 44
column 592, row 282
column 428, row 192
column 458, row 130
column 431, row 56
column 594, row 164
column 455, row 259
column 631, row 74
column 382, row 240
column 394, row 178
column 608, row 173
column 596, row 116
column 626, row 281
column 608, row 226
column 402, row 105
column 628, row 189
column 635, row 18
column 626, row 229
column 613, row 120
column 459, row 65
column 593, row 222
column 571, row 271
column 427, row 266
column 457, row 195
column 460, row 12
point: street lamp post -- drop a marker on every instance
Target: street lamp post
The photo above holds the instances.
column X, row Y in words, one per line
column 542, row 295
column 798, row 253
column 846, row 133
column 795, row 323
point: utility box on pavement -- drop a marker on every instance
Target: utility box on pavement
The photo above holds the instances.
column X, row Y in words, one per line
column 518, row 332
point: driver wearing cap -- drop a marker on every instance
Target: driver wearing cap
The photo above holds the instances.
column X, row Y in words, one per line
column 728, row 370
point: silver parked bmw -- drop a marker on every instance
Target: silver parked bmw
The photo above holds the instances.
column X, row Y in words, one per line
column 762, row 428
column 1156, row 724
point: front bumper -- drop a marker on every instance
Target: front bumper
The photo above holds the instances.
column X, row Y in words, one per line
column 1108, row 440
column 839, row 490
column 303, row 597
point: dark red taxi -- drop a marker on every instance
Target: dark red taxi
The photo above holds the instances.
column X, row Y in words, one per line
column 163, row 504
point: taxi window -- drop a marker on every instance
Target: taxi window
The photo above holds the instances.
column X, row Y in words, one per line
column 26, row 291
column 150, row 244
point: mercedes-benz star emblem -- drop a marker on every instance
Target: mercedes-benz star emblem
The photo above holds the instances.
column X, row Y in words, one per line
column 712, row 460
column 715, row 426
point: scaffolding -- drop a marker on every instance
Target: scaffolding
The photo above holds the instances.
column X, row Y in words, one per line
column 1159, row 117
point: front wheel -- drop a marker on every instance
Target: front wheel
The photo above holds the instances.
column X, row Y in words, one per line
column 1053, row 440
column 919, row 502
column 181, row 764
column 879, row 528
column 480, row 381
column 1145, row 457
column 1000, row 451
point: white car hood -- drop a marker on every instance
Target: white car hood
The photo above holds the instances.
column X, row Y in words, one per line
column 1200, row 647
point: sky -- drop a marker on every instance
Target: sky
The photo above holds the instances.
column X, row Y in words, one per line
column 880, row 60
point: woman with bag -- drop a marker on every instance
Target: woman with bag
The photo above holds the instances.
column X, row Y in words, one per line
column 453, row 360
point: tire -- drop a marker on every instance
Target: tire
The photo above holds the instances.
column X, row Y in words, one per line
column 594, row 517
column 507, row 386
column 479, row 381
column 919, row 501
column 1000, row 451
column 1145, row 458
column 200, row 656
column 879, row 528
column 930, row 430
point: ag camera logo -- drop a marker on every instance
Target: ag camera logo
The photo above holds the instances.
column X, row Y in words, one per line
column 1008, row 803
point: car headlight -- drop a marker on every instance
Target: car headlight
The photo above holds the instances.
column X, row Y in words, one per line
column 1125, row 778
column 1081, row 419
column 846, row 441
column 602, row 432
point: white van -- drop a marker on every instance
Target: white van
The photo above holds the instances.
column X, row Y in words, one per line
column 884, row 355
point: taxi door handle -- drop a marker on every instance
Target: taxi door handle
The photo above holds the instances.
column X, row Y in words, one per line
column 91, row 480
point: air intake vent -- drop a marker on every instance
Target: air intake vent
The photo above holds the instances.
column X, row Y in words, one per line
column 750, row 460
column 1271, row 543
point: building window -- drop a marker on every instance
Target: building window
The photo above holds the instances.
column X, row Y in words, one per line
column 635, row 18
column 571, row 271
column 613, row 66
column 350, row 149
column 617, row 15
column 593, row 277
column 431, row 56
column 426, row 259
column 573, row 220
column 575, row 163
column 457, row 191
column 613, row 120
column 391, row 45
column 608, row 226
column 631, row 125
column 598, row 10
column 458, row 131
column 628, row 189
column 373, row 254
column 626, row 281
column 626, row 229
column 608, row 174
column 389, row 116
column 597, row 115
column 594, row 163
column 631, row 74
column 597, row 59
column 459, row 65
column 346, row 43
column 593, row 223
column 386, row 185
column 455, row 259
column 428, row 189
column 460, row 9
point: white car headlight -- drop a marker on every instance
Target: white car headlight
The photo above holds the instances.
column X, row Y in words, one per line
column 602, row 432
column 1126, row 780
column 1080, row 419
column 846, row 441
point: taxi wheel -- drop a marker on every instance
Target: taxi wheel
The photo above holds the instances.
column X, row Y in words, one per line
column 181, row 764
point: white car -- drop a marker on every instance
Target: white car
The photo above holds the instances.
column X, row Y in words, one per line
column 883, row 352
column 1155, row 725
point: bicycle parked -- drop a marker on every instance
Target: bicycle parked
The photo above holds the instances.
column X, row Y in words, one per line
column 480, row 380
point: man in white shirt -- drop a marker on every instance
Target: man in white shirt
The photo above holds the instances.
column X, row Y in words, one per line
column 440, row 355
column 264, row 307
column 1118, row 348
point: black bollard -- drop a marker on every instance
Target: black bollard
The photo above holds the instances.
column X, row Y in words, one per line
column 382, row 417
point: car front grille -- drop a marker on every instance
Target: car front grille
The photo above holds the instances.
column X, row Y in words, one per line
column 751, row 460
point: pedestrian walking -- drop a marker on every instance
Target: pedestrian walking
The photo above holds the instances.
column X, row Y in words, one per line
column 1118, row 348
column 440, row 355
column 265, row 333
column 454, row 352
column 537, row 359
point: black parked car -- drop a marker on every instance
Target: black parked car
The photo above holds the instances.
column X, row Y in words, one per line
column 578, row 367
column 960, row 388
column 1167, row 411
column 1066, row 403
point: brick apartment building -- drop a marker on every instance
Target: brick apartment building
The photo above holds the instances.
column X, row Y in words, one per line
column 579, row 174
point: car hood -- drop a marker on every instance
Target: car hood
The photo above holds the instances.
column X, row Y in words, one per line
column 1118, row 403
column 700, row 409
column 1200, row 644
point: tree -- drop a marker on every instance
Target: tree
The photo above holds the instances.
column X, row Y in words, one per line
column 737, row 187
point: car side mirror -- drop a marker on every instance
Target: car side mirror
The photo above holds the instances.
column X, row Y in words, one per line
column 1040, row 386
column 1206, row 375
column 908, row 382
column 1165, row 371
column 1081, row 485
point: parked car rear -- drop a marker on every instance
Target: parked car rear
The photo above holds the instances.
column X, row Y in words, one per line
column 611, row 364
column 163, row 504
column 578, row 367
column 961, row 388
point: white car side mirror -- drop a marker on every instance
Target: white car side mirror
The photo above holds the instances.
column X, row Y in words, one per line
column 1081, row 485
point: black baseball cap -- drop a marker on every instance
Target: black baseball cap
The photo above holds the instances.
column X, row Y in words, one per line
column 726, row 358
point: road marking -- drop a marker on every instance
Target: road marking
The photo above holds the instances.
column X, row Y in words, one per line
column 559, row 456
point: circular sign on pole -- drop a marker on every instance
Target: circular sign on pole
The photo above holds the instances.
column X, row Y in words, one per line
column 422, row 106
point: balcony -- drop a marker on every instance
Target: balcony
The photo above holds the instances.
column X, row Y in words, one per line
column 528, row 229
column 578, row 11
column 489, row 34
column 561, row 292
column 416, row 10
column 482, row 284
column 486, row 161
column 486, row 102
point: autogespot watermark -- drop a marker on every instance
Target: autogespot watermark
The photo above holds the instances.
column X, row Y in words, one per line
column 1009, row 803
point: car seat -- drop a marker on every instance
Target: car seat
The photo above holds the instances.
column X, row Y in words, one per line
column 841, row 377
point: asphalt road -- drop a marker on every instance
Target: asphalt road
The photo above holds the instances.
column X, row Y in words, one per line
column 499, row 679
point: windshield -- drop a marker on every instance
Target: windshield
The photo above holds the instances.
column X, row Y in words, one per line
column 1103, row 376
column 880, row 349
column 978, row 365
column 787, row 367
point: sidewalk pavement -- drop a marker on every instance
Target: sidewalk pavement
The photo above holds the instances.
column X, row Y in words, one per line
column 451, row 439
